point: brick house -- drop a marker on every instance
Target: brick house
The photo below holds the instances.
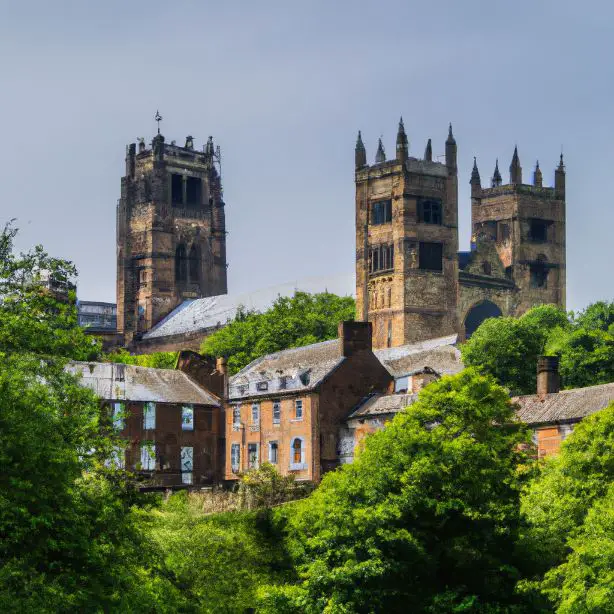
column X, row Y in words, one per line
column 170, row 423
column 286, row 408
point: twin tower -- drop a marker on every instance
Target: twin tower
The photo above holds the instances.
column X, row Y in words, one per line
column 412, row 283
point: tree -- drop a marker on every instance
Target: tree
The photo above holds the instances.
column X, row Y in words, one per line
column 156, row 360
column 568, row 512
column 427, row 514
column 290, row 322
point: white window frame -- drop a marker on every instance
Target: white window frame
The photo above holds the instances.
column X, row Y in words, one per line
column 277, row 411
column 236, row 415
column 117, row 460
column 274, row 445
column 297, row 466
column 235, row 457
column 187, row 418
column 119, row 414
column 187, row 464
column 148, row 456
column 298, row 409
column 255, row 413
column 255, row 464
column 149, row 416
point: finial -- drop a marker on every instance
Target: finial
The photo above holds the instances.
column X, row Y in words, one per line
column 428, row 152
column 450, row 135
column 496, row 177
column 537, row 176
column 158, row 118
column 515, row 168
column 359, row 143
column 380, row 156
column 360, row 154
column 475, row 174
column 561, row 164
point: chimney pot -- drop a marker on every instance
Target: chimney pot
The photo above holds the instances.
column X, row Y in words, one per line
column 548, row 378
column 355, row 336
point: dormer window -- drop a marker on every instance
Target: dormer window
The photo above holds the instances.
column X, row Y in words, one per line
column 283, row 382
column 262, row 386
column 305, row 378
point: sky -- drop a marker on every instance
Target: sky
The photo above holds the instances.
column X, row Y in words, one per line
column 284, row 87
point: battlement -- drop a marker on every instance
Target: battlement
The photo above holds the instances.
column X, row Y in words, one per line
column 520, row 188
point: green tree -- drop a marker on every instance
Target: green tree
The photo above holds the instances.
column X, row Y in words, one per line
column 569, row 513
column 157, row 360
column 426, row 517
column 290, row 322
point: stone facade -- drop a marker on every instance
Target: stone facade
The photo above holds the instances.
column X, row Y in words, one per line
column 171, row 232
column 411, row 281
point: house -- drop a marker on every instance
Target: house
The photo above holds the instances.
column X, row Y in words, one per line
column 287, row 408
column 171, row 424
column 552, row 413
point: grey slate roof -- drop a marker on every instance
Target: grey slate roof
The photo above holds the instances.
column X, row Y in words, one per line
column 119, row 382
column 304, row 369
column 382, row 404
column 565, row 406
column 439, row 354
column 215, row 311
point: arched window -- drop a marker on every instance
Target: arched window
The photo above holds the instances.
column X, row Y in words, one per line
column 181, row 264
column 297, row 451
column 194, row 264
column 477, row 314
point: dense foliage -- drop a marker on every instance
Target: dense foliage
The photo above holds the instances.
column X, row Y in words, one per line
column 290, row 322
column 157, row 360
column 508, row 348
column 427, row 514
column 569, row 511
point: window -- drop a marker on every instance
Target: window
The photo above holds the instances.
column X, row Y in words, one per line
column 539, row 275
column 252, row 455
column 117, row 459
column 298, row 409
column 431, row 256
column 297, row 454
column 283, row 382
column 187, row 418
column 262, row 386
column 187, row 464
column 503, row 232
column 389, row 335
column 429, row 211
column 276, row 411
column 149, row 416
column 181, row 264
column 193, row 191
column 118, row 416
column 148, row 456
column 538, row 230
column 235, row 457
column 381, row 258
column 194, row 264
column 273, row 452
column 176, row 189
column 255, row 413
column 381, row 212
column 236, row 415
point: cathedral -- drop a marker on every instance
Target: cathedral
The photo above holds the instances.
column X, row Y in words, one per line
column 412, row 283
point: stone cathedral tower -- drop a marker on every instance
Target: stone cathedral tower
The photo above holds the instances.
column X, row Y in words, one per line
column 171, row 232
column 407, row 242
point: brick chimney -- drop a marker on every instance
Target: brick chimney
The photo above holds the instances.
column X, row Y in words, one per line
column 355, row 337
column 211, row 376
column 548, row 379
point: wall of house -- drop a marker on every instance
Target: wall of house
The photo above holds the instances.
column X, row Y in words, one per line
column 548, row 438
column 168, row 437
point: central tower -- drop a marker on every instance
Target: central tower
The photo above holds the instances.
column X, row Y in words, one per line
column 407, row 242
column 171, row 231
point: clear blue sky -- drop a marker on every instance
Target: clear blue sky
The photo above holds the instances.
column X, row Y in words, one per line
column 283, row 87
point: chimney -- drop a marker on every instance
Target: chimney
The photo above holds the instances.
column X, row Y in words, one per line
column 221, row 366
column 548, row 379
column 211, row 376
column 355, row 337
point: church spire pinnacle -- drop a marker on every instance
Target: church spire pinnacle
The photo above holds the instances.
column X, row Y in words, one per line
column 380, row 155
column 515, row 168
column 360, row 154
column 497, row 180
column 537, row 176
column 402, row 143
column 428, row 152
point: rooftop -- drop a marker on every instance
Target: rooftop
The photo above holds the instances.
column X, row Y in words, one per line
column 382, row 404
column 564, row 406
column 120, row 382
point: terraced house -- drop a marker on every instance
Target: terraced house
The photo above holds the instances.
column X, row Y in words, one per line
column 287, row 408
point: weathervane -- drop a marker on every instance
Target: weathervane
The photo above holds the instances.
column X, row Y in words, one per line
column 158, row 118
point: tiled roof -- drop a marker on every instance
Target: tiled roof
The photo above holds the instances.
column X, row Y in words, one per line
column 564, row 406
column 119, row 382
column 215, row 311
column 380, row 404
column 438, row 354
column 296, row 369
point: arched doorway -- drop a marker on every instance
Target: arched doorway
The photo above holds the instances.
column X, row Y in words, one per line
column 477, row 314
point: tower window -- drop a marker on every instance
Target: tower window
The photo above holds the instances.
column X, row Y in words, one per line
column 429, row 211
column 538, row 230
column 193, row 191
column 176, row 189
column 181, row 264
column 431, row 256
column 194, row 264
column 381, row 258
column 539, row 273
column 381, row 212
column 503, row 232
